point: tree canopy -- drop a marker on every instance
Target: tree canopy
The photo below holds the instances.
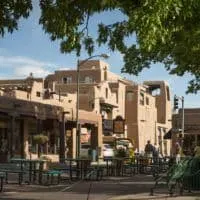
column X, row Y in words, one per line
column 167, row 31
column 10, row 12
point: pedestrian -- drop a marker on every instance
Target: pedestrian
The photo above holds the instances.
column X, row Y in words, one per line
column 197, row 150
column 155, row 153
column 178, row 152
column 131, row 154
column 149, row 149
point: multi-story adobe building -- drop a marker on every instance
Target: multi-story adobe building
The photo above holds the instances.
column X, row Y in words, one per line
column 148, row 114
column 145, row 108
column 27, row 109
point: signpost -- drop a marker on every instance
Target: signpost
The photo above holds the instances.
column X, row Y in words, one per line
column 119, row 125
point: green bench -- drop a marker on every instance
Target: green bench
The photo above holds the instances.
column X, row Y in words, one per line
column 55, row 170
column 185, row 175
column 190, row 182
column 11, row 168
column 51, row 175
column 2, row 177
column 94, row 173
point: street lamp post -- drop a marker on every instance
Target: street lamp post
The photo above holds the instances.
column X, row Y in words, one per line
column 79, row 63
column 176, row 99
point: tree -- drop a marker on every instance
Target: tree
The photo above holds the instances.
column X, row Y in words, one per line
column 10, row 12
column 40, row 139
column 167, row 31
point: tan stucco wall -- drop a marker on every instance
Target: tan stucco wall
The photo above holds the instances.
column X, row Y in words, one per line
column 147, row 116
column 143, row 121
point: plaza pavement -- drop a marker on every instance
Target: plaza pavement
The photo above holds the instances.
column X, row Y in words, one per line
column 111, row 188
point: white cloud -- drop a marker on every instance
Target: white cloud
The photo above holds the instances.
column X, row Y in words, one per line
column 21, row 67
column 24, row 71
column 63, row 68
column 19, row 60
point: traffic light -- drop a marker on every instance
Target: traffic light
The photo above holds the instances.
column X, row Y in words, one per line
column 175, row 102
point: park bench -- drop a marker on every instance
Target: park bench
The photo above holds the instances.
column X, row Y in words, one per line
column 191, row 179
column 13, row 168
column 55, row 170
column 182, row 175
column 129, row 167
column 2, row 177
column 162, row 180
column 95, row 173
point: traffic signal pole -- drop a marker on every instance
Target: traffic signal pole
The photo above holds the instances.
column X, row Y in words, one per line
column 183, row 116
column 176, row 100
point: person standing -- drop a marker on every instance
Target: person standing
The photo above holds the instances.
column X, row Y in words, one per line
column 197, row 150
column 149, row 149
column 178, row 152
column 155, row 153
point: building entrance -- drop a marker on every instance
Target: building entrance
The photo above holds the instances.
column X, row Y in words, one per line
column 3, row 144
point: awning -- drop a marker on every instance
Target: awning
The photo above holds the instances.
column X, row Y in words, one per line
column 168, row 135
column 105, row 104
column 108, row 139
column 86, row 121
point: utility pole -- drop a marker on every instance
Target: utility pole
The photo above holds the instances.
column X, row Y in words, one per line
column 176, row 101
column 183, row 119
column 77, row 112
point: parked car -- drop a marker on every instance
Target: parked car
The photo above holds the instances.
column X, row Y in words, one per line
column 108, row 151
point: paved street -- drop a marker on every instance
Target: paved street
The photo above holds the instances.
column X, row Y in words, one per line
column 136, row 187
column 101, row 190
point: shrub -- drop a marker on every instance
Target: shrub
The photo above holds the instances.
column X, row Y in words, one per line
column 40, row 139
column 121, row 153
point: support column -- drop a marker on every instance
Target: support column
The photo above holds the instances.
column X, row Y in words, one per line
column 11, row 136
column 22, row 153
column 74, row 143
column 94, row 137
column 39, row 126
column 27, row 146
column 95, row 143
column 62, row 140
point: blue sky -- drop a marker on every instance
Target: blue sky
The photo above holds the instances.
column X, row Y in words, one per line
column 30, row 50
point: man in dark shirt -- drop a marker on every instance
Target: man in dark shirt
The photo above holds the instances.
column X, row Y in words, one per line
column 149, row 149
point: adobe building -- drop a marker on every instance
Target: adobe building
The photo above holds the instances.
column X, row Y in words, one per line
column 148, row 114
column 100, row 91
column 145, row 109
column 191, row 135
column 27, row 109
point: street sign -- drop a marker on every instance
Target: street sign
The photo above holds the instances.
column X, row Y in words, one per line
column 107, row 125
column 118, row 125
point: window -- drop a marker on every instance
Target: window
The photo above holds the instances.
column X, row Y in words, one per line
column 106, row 92
column 147, row 101
column 168, row 96
column 155, row 90
column 141, row 98
column 105, row 75
column 67, row 79
column 88, row 79
column 117, row 98
column 53, row 144
column 38, row 94
column 129, row 96
column 16, row 139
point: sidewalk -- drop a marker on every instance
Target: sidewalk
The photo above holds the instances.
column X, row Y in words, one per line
column 136, row 187
column 146, row 196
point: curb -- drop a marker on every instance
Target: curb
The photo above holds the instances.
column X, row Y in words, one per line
column 146, row 196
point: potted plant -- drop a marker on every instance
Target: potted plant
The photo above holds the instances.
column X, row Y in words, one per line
column 121, row 153
column 40, row 139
